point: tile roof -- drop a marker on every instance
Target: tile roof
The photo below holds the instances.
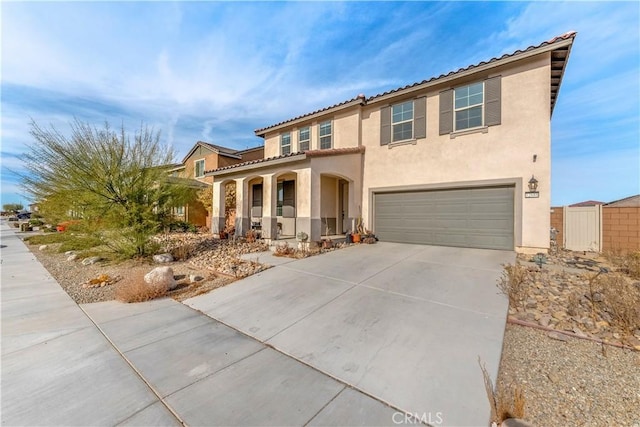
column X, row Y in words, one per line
column 558, row 63
column 631, row 201
column 360, row 99
column 310, row 153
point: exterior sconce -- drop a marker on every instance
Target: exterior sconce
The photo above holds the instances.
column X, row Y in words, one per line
column 533, row 189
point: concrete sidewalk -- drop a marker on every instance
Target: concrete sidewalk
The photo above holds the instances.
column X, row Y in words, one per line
column 154, row 363
column 57, row 367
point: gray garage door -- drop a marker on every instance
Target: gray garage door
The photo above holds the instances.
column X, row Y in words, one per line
column 472, row 218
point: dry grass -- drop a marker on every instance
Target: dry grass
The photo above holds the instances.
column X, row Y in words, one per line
column 513, row 283
column 506, row 402
column 184, row 251
column 627, row 262
column 135, row 289
column 621, row 300
column 251, row 236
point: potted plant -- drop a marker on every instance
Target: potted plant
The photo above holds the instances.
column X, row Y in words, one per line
column 359, row 231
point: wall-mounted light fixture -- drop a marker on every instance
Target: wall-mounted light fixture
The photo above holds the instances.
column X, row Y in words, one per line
column 533, row 189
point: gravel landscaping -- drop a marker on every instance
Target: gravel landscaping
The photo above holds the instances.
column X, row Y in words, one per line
column 571, row 353
column 216, row 262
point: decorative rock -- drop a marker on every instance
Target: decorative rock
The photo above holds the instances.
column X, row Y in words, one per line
column 43, row 247
column 558, row 336
column 195, row 278
column 161, row 277
column 515, row 422
column 544, row 320
column 553, row 377
column 531, row 303
column 162, row 258
column 91, row 260
column 72, row 257
column 68, row 253
column 558, row 315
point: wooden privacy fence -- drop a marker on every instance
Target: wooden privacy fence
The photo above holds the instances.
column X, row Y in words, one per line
column 597, row 228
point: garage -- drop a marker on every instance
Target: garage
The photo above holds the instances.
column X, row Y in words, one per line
column 467, row 217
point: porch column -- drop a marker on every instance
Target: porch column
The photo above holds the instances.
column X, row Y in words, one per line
column 269, row 203
column 308, row 204
column 243, row 220
column 217, row 208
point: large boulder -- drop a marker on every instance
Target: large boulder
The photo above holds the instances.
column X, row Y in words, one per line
column 161, row 277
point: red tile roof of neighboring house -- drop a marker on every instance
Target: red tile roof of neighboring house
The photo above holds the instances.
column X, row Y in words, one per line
column 224, row 151
column 631, row 201
column 558, row 63
column 305, row 154
column 586, row 203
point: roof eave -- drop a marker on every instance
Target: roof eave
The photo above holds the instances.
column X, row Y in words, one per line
column 479, row 69
column 295, row 158
column 262, row 132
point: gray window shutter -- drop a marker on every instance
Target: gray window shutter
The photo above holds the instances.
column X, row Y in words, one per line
column 420, row 118
column 446, row 112
column 492, row 107
column 289, row 199
column 385, row 125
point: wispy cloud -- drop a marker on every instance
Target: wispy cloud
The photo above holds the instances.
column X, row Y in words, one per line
column 215, row 71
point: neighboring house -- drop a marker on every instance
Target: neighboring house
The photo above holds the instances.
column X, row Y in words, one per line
column 445, row 161
column 191, row 171
column 586, row 203
column 627, row 202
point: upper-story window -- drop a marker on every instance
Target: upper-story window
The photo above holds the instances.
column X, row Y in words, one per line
column 304, row 136
column 285, row 143
column 473, row 107
column 199, row 168
column 325, row 135
column 469, row 102
column 402, row 121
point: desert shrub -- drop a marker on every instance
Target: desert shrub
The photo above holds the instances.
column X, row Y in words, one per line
column 251, row 236
column 184, row 251
column 513, row 283
column 284, row 250
column 621, row 300
column 573, row 304
column 36, row 222
column 135, row 289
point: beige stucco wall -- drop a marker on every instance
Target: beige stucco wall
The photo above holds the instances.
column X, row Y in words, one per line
column 345, row 132
column 505, row 151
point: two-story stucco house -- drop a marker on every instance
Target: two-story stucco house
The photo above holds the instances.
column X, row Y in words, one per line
column 192, row 168
column 445, row 161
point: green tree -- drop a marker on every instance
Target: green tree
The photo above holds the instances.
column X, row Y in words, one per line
column 12, row 207
column 117, row 183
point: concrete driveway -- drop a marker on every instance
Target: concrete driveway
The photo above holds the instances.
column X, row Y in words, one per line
column 404, row 324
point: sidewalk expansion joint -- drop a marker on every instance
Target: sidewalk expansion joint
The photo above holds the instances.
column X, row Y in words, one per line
column 138, row 373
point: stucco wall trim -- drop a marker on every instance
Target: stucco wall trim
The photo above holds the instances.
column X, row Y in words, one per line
column 502, row 182
column 400, row 143
column 484, row 129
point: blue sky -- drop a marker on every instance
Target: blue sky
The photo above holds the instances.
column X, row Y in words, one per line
column 215, row 71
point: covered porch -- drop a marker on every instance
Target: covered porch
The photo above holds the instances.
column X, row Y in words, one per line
column 316, row 192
